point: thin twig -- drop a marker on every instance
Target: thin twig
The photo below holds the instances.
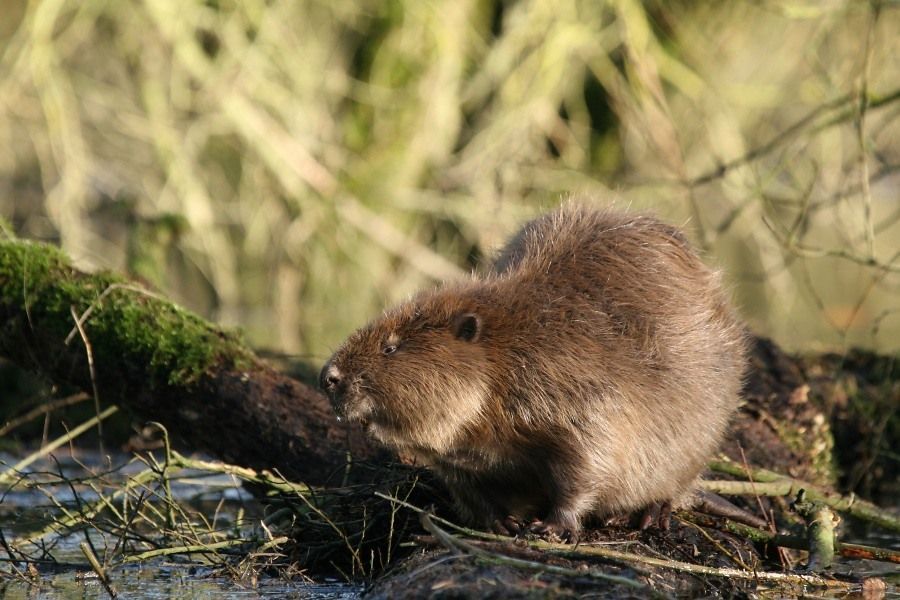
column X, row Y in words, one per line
column 46, row 407
column 191, row 549
column 591, row 550
column 80, row 320
column 98, row 569
column 164, row 473
column 93, row 373
column 863, row 107
column 735, row 559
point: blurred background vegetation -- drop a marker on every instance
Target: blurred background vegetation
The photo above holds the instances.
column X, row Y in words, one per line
column 290, row 167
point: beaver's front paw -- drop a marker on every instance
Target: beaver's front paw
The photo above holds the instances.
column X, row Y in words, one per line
column 509, row 525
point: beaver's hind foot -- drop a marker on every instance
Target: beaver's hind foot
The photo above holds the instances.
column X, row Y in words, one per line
column 658, row 514
column 553, row 532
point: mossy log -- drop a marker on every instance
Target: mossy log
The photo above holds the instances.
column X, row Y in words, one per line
column 164, row 364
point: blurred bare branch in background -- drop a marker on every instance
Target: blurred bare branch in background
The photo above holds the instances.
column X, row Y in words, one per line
column 292, row 166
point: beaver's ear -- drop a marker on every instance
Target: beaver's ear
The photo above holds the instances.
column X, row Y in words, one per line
column 467, row 327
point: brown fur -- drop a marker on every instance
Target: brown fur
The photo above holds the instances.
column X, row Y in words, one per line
column 592, row 371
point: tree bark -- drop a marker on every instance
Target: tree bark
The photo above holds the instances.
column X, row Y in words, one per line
column 165, row 364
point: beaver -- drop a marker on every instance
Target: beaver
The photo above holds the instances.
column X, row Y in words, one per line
column 590, row 372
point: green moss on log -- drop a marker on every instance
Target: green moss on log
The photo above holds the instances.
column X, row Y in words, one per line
column 129, row 330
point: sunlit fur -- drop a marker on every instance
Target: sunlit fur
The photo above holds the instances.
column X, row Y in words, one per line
column 602, row 378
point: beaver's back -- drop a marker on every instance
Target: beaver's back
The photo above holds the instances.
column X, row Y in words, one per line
column 584, row 277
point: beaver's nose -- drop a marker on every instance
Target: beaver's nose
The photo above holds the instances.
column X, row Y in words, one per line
column 330, row 378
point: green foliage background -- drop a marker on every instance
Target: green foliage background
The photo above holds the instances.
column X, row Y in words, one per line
column 293, row 166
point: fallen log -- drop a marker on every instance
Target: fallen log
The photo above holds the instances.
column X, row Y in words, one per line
column 128, row 346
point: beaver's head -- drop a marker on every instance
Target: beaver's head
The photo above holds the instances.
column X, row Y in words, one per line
column 414, row 377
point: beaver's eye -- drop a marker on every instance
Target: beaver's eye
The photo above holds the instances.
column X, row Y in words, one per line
column 389, row 349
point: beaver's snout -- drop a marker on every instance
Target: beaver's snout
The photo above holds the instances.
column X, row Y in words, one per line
column 330, row 379
column 345, row 398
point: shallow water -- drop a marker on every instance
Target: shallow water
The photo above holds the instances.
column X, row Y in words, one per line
column 161, row 583
column 163, row 586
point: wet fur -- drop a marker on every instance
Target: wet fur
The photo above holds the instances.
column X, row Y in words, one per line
column 592, row 371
